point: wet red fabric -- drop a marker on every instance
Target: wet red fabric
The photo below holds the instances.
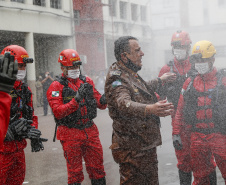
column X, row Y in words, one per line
column 90, row 149
column 12, row 167
column 12, row 155
column 5, row 102
column 77, row 144
column 203, row 145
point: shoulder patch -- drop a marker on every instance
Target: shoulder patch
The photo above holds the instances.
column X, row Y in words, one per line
column 115, row 73
column 116, row 83
column 55, row 93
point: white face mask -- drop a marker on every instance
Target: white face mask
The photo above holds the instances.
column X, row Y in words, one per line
column 73, row 73
column 21, row 75
column 202, row 68
column 180, row 54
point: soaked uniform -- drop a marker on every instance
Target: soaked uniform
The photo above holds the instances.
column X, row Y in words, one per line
column 5, row 102
column 172, row 92
column 76, row 131
column 135, row 134
column 12, row 157
column 201, row 108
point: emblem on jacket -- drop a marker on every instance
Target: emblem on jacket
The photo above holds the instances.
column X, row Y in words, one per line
column 116, row 83
column 115, row 73
column 55, row 93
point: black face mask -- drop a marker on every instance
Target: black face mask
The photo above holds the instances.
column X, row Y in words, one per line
column 132, row 66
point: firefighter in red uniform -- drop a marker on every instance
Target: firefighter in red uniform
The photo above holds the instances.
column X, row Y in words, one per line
column 201, row 107
column 8, row 71
column 74, row 101
column 23, row 124
column 182, row 67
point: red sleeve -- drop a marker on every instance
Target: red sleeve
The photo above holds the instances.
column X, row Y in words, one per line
column 55, row 99
column 5, row 103
column 178, row 122
column 165, row 69
column 96, row 94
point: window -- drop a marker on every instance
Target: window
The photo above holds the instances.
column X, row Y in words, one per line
column 143, row 14
column 55, row 4
column 19, row 1
column 77, row 17
column 123, row 10
column 112, row 8
column 39, row 2
column 134, row 13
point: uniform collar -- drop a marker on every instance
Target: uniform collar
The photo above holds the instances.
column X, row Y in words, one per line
column 185, row 62
column 209, row 76
column 17, row 84
column 120, row 63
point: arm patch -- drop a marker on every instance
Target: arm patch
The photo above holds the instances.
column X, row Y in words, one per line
column 116, row 83
column 115, row 73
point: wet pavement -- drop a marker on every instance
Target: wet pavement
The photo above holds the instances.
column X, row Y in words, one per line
column 48, row 167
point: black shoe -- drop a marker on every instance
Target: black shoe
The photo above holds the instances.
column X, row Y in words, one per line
column 101, row 181
column 185, row 178
column 45, row 115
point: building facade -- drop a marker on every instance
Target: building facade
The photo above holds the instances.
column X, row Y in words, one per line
column 42, row 27
column 127, row 17
column 202, row 19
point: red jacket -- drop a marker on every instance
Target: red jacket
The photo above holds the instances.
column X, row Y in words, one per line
column 5, row 102
column 61, row 110
column 180, row 67
column 210, row 81
column 11, row 146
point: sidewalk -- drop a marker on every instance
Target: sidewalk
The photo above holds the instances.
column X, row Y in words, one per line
column 38, row 111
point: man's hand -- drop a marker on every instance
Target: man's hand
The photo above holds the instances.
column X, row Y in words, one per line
column 160, row 108
column 34, row 133
column 36, row 144
column 168, row 77
column 177, row 142
column 18, row 128
column 8, row 72
column 84, row 90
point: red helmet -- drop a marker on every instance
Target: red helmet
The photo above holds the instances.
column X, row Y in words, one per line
column 19, row 53
column 180, row 38
column 69, row 57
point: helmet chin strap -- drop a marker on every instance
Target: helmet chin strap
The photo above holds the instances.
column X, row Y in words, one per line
column 129, row 64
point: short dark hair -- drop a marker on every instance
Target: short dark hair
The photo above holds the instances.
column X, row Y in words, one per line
column 122, row 45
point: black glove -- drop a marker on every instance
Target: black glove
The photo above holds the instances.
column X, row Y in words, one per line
column 84, row 90
column 34, row 133
column 8, row 71
column 18, row 129
column 177, row 142
column 36, row 144
column 103, row 99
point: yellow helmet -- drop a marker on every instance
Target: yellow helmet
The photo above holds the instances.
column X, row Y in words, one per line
column 204, row 47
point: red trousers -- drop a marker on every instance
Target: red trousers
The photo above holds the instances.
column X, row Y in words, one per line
column 202, row 146
column 12, row 168
column 91, row 150
column 184, row 156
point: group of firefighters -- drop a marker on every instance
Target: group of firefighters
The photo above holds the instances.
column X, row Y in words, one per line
column 195, row 90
